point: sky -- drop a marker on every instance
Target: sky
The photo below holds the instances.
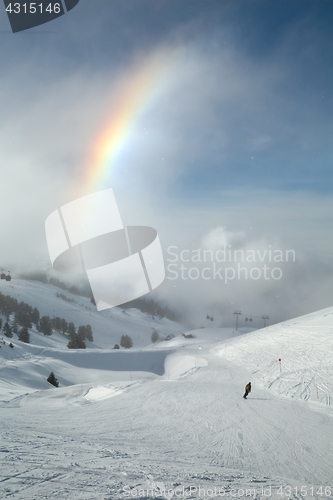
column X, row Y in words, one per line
column 212, row 122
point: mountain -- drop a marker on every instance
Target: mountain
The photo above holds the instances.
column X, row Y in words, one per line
column 168, row 420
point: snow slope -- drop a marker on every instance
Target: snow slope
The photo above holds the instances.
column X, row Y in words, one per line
column 169, row 421
column 27, row 366
column 189, row 431
column 107, row 326
column 305, row 348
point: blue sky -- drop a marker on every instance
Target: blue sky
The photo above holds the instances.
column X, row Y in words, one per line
column 244, row 128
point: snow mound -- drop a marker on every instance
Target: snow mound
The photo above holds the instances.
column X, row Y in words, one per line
column 100, row 392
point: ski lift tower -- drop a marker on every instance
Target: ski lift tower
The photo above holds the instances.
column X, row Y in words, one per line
column 237, row 314
column 265, row 318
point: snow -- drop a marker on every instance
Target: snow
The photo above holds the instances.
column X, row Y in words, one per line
column 305, row 348
column 107, row 326
column 166, row 420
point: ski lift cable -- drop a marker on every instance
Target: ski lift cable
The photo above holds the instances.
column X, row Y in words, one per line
column 248, row 316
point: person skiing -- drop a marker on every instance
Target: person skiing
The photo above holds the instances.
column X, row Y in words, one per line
column 247, row 390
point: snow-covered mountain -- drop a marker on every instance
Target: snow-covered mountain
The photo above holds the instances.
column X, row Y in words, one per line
column 166, row 420
column 107, row 325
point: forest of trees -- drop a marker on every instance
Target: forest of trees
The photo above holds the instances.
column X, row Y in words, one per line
column 20, row 314
column 20, row 317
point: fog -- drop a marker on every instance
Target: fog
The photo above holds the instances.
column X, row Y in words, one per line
column 222, row 153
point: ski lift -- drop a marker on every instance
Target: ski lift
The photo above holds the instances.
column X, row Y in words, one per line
column 207, row 317
column 250, row 319
column 3, row 276
column 246, row 319
column 211, row 318
column 8, row 277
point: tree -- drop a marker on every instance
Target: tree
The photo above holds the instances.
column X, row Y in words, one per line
column 52, row 380
column 71, row 329
column 89, row 333
column 126, row 341
column 7, row 330
column 24, row 335
column 22, row 317
column 155, row 337
column 116, row 346
column 82, row 332
column 45, row 325
column 64, row 326
column 76, row 342
column 35, row 315
column 56, row 323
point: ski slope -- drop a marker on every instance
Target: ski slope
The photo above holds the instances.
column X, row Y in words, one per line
column 305, row 348
column 168, row 420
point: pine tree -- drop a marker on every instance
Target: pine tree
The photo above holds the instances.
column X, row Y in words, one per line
column 76, row 342
column 155, row 337
column 52, row 380
column 64, row 326
column 24, row 335
column 45, row 325
column 56, row 323
column 126, row 341
column 82, row 332
column 7, row 330
column 22, row 317
column 89, row 333
column 71, row 329
column 35, row 316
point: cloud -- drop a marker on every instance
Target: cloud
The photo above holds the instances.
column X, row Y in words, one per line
column 220, row 237
column 185, row 169
column 258, row 274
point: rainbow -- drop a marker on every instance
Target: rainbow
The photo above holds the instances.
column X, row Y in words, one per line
column 134, row 93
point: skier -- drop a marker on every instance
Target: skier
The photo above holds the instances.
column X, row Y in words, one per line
column 247, row 390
